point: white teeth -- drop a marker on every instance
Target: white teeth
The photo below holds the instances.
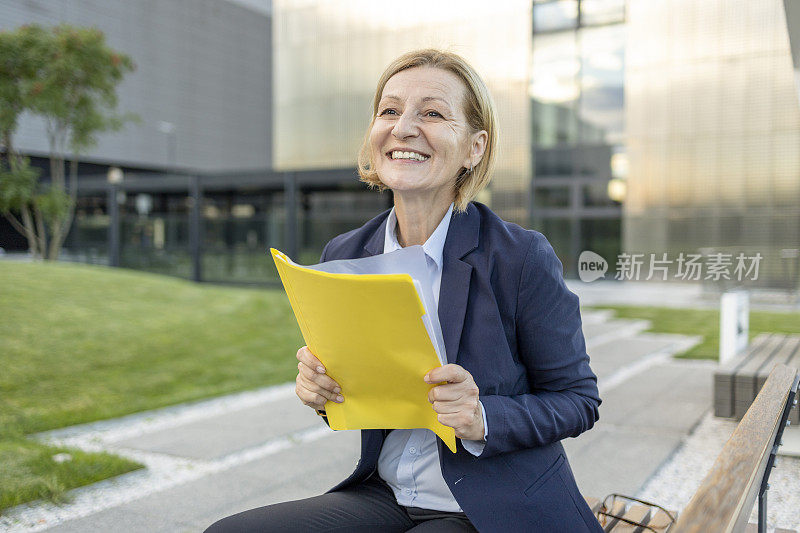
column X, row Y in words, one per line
column 397, row 154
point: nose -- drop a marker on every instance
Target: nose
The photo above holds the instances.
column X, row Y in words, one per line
column 405, row 127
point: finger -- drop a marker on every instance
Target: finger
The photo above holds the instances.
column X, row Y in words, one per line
column 447, row 408
column 451, row 373
column 305, row 356
column 314, row 388
column 310, row 398
column 310, row 393
column 452, row 392
column 323, row 380
column 453, row 420
column 308, row 379
column 459, row 421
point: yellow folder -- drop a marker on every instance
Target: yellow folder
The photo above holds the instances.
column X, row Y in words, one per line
column 367, row 330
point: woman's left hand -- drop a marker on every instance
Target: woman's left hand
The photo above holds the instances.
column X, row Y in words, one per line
column 456, row 401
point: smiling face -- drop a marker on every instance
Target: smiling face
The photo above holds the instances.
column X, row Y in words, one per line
column 420, row 140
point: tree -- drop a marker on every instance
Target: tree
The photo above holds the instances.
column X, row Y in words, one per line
column 17, row 179
column 68, row 76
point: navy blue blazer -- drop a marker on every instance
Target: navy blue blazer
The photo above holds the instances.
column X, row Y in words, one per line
column 509, row 319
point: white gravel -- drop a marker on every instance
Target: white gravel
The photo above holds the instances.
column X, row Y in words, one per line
column 677, row 480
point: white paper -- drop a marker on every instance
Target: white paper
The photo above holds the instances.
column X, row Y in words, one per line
column 409, row 260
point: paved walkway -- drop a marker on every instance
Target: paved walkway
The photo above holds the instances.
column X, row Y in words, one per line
column 214, row 458
column 676, row 294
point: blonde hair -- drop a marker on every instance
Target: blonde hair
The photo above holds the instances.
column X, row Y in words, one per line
column 478, row 108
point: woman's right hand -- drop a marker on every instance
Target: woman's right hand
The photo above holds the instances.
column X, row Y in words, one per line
column 313, row 386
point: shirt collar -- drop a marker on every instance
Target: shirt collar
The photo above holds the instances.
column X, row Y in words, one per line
column 433, row 247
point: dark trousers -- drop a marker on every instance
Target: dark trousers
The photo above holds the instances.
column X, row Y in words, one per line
column 368, row 506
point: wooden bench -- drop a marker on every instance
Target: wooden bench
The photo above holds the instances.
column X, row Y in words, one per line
column 725, row 499
column 737, row 383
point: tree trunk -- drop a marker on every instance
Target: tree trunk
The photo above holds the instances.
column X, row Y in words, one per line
column 9, row 148
column 73, row 196
column 40, row 231
column 55, row 242
column 25, row 228
column 57, row 133
column 30, row 233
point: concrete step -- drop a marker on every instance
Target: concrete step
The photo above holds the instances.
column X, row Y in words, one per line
column 594, row 316
column 609, row 357
column 610, row 330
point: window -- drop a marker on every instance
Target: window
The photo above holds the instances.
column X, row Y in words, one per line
column 560, row 15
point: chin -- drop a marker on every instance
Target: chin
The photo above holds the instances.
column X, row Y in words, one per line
column 404, row 183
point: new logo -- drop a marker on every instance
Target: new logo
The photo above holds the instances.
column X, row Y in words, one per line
column 591, row 266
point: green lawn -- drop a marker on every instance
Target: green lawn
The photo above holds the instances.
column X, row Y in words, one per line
column 81, row 343
column 705, row 323
column 30, row 471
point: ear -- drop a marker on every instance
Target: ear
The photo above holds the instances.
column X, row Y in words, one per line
column 477, row 147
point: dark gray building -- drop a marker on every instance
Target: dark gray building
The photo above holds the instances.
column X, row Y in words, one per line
column 202, row 84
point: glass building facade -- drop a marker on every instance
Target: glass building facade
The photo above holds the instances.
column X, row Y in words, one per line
column 329, row 56
column 576, row 90
column 682, row 112
column 713, row 133
column 555, row 70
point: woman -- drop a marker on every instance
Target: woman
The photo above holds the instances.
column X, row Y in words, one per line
column 518, row 379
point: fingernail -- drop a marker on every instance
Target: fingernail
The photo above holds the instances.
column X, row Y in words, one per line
column 321, row 370
column 337, row 390
column 340, row 398
column 427, row 378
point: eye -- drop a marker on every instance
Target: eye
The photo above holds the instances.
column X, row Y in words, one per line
column 387, row 111
column 433, row 114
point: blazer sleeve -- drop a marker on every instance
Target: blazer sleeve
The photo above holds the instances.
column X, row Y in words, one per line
column 563, row 399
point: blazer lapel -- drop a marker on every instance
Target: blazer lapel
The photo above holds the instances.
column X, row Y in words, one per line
column 462, row 238
column 374, row 245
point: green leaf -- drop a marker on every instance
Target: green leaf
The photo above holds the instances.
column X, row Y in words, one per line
column 54, row 205
column 17, row 184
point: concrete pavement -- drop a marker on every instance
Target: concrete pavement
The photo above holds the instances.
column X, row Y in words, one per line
column 696, row 295
column 214, row 458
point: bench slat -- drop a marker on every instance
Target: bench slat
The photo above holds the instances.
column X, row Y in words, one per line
column 723, row 378
column 794, row 362
column 660, row 521
column 744, row 383
column 725, row 498
column 618, row 508
column 784, row 355
column 637, row 513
